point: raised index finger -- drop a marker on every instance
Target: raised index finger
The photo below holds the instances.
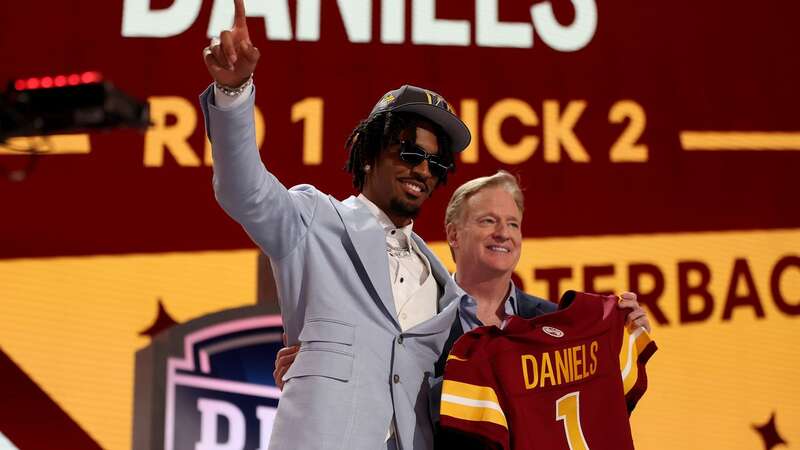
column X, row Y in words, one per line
column 239, row 20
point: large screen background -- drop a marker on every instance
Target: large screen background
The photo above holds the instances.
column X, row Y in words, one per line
column 658, row 145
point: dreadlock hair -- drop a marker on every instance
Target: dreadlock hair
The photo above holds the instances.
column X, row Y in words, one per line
column 375, row 133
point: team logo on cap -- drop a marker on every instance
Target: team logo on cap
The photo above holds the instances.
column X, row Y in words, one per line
column 388, row 99
column 439, row 101
column 552, row 331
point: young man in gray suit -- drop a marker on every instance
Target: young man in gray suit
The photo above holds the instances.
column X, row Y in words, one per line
column 366, row 300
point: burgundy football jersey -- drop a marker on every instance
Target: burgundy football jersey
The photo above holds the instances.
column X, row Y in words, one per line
column 564, row 380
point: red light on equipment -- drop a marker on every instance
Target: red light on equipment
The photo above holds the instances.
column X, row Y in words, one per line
column 90, row 77
column 72, row 79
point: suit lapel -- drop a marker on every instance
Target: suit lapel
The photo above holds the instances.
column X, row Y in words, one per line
column 446, row 291
column 368, row 252
column 456, row 330
column 440, row 274
column 529, row 306
column 525, row 308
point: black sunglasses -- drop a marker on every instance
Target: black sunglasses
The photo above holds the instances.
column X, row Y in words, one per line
column 414, row 155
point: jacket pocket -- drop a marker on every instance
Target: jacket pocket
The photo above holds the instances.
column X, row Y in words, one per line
column 325, row 350
column 328, row 330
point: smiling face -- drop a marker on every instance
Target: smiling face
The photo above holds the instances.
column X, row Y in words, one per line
column 486, row 239
column 397, row 187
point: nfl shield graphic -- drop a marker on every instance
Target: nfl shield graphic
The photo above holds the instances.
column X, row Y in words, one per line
column 218, row 389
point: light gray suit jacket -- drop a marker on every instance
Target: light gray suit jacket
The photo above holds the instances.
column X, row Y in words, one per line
column 356, row 369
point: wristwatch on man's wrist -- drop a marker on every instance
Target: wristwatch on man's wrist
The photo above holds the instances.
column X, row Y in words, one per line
column 234, row 91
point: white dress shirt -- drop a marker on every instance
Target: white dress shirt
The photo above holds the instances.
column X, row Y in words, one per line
column 413, row 287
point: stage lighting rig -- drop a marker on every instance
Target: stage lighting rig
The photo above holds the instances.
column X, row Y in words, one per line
column 68, row 103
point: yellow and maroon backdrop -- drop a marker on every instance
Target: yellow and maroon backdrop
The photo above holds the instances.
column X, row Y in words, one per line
column 658, row 144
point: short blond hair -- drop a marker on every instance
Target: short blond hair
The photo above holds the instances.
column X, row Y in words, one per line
column 502, row 179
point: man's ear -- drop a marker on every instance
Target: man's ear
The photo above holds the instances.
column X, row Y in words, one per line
column 452, row 234
column 368, row 168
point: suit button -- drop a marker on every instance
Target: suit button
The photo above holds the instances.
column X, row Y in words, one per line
column 396, row 378
column 400, row 340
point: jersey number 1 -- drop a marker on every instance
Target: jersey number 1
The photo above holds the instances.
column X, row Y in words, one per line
column 568, row 409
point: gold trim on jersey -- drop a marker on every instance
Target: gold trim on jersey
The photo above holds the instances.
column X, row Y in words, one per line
column 471, row 402
column 633, row 344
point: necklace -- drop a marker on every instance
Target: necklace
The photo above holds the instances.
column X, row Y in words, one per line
column 397, row 252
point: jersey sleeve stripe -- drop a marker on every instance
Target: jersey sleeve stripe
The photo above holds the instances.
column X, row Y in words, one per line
column 449, row 357
column 471, row 402
column 471, row 391
column 633, row 344
column 473, row 410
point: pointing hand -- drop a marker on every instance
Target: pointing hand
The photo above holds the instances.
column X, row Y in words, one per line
column 232, row 58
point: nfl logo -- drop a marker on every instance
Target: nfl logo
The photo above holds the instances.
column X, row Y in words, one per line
column 218, row 392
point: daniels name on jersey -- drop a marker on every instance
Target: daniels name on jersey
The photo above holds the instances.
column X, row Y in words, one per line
column 564, row 380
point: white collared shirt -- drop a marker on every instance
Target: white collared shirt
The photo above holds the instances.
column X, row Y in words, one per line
column 409, row 272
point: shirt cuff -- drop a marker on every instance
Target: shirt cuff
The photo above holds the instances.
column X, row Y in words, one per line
column 226, row 102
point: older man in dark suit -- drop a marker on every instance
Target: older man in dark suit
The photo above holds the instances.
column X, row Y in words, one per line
column 484, row 230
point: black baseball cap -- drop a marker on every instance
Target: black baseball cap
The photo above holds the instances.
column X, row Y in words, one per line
column 427, row 104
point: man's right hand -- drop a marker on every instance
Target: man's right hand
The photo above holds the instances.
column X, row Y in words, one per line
column 284, row 360
column 233, row 58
